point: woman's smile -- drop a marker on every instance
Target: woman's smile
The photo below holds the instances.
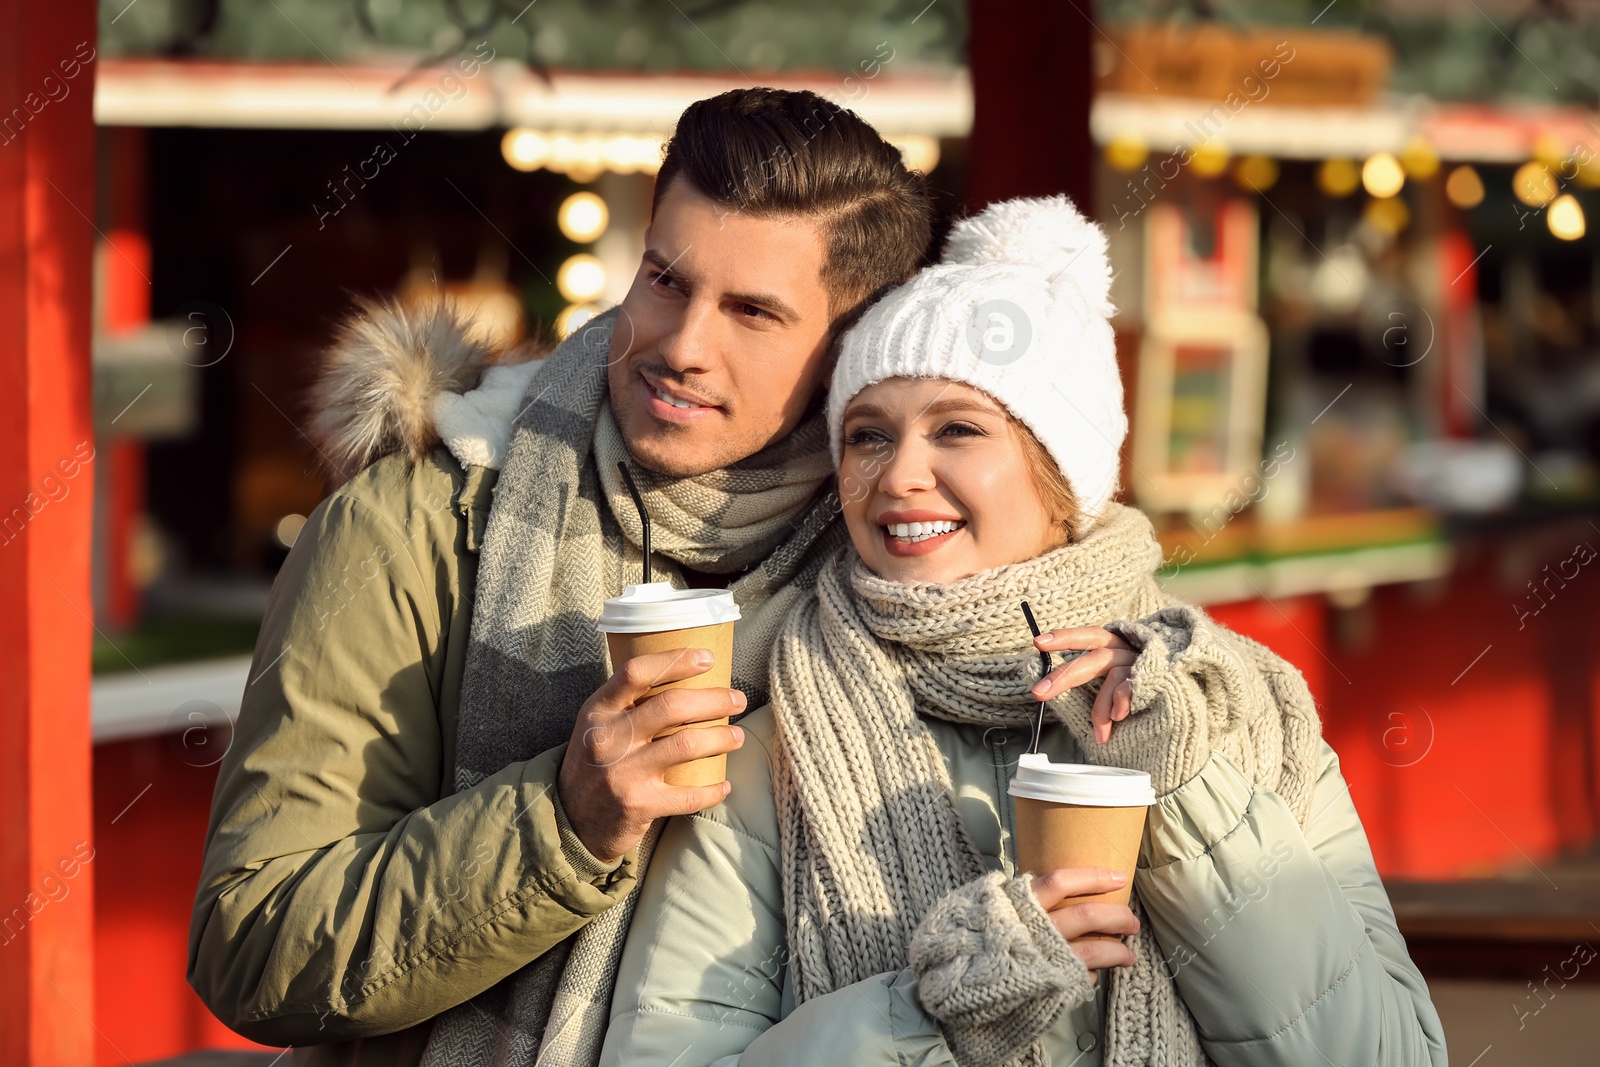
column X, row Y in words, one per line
column 917, row 533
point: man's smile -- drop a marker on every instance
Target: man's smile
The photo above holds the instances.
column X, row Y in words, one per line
column 672, row 403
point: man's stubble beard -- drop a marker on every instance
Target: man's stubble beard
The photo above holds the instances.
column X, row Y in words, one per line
column 664, row 455
column 665, row 449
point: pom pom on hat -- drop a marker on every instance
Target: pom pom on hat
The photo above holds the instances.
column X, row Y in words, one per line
column 1049, row 234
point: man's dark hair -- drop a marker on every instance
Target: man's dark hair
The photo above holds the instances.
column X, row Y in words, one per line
column 769, row 152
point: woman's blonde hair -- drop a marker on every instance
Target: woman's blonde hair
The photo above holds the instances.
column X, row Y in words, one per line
column 1054, row 489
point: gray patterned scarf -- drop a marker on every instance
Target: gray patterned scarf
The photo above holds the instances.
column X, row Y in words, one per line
column 562, row 537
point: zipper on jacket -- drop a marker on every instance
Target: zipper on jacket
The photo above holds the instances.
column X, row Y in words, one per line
column 473, row 503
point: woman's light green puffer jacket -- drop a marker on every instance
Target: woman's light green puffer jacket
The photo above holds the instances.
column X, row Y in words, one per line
column 1282, row 940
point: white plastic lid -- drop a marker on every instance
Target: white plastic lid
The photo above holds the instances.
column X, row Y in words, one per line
column 652, row 608
column 1080, row 783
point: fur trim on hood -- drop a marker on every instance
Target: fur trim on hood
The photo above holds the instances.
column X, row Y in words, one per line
column 402, row 378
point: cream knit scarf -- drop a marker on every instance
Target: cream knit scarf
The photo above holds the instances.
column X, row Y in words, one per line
column 563, row 536
column 870, row 836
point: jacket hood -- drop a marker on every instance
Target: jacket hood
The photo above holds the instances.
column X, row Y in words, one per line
column 409, row 377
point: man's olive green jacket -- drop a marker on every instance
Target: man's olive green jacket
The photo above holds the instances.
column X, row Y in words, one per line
column 348, row 894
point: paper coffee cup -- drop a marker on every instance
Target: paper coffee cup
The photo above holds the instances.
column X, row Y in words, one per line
column 1079, row 815
column 655, row 617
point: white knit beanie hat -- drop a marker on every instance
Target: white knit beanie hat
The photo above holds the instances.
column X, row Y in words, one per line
column 1018, row 307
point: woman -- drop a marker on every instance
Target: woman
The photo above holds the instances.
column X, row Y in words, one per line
column 856, row 899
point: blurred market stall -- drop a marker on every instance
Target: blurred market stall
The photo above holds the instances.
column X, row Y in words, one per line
column 1361, row 311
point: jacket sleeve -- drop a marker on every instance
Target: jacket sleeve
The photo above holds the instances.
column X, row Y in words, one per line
column 342, row 895
column 1282, row 941
column 704, row 975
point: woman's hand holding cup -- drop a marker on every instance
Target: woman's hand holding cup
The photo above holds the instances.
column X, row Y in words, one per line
column 1074, row 921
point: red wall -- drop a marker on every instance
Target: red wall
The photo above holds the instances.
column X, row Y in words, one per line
column 1508, row 780
column 148, row 843
column 1460, row 774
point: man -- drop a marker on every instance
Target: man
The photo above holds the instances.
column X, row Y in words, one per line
column 402, row 849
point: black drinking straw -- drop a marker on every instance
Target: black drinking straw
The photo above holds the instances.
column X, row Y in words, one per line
column 644, row 516
column 1044, row 658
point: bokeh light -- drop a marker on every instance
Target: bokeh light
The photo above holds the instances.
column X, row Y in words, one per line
column 1388, row 215
column 1382, row 175
column 574, row 316
column 1126, row 153
column 1419, row 159
column 581, row 277
column 524, row 149
column 1338, row 177
column 583, row 217
column 1256, row 173
column 1464, row 188
column 1534, row 184
column 1565, row 217
column 1209, row 159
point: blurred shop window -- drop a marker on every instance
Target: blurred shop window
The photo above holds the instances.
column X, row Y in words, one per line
column 487, row 298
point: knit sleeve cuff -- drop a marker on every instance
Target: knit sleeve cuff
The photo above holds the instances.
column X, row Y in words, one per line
column 1180, row 643
column 1165, row 640
column 583, row 862
column 993, row 969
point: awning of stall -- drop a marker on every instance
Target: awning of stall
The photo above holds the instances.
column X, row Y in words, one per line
column 1475, row 133
column 148, row 92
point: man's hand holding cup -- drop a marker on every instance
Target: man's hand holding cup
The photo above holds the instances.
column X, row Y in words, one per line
column 653, row 741
column 627, row 743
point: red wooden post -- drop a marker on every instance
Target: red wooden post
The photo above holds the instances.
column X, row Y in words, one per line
column 46, row 201
column 1032, row 82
